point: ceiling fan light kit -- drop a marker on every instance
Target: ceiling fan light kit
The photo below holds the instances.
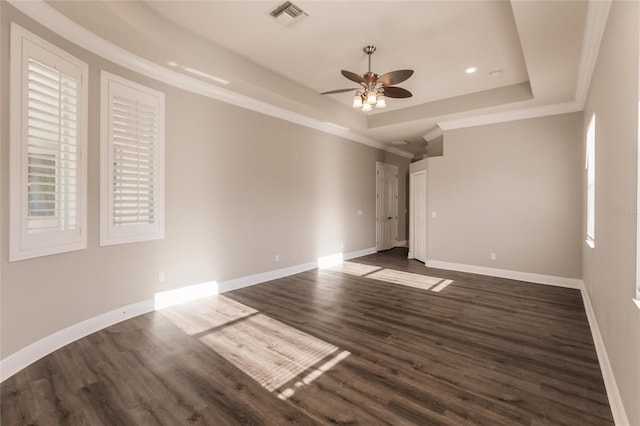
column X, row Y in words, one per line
column 375, row 88
column 372, row 97
column 357, row 101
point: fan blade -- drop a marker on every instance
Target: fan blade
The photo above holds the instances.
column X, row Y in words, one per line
column 396, row 92
column 331, row 92
column 353, row 76
column 395, row 77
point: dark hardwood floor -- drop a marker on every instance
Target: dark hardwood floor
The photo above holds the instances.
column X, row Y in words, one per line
column 379, row 340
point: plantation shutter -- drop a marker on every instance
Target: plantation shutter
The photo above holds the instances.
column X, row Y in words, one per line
column 48, row 135
column 133, row 160
column 52, row 148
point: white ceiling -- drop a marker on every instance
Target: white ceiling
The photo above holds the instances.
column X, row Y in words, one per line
column 536, row 46
column 439, row 40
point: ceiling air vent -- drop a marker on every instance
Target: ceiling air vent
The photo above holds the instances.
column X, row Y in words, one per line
column 288, row 13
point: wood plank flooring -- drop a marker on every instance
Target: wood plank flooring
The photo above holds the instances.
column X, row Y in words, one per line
column 378, row 340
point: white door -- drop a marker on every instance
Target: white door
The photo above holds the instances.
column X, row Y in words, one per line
column 418, row 216
column 386, row 206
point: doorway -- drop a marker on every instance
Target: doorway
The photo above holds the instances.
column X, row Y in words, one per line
column 418, row 216
column 386, row 206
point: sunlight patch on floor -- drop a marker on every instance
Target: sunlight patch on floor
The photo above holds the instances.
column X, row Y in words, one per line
column 422, row 282
column 279, row 357
column 419, row 281
column 205, row 314
column 444, row 284
column 288, row 392
column 270, row 352
column 354, row 268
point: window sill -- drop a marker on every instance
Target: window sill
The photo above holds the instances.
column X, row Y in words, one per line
column 590, row 243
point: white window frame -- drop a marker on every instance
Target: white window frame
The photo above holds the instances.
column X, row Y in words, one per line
column 591, row 182
column 637, row 298
column 24, row 244
column 111, row 232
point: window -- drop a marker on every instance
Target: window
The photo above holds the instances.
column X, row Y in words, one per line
column 637, row 299
column 132, row 156
column 591, row 182
column 48, row 132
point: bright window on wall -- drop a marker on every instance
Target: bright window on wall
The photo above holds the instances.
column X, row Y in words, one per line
column 591, row 182
column 637, row 299
column 132, row 158
column 47, row 140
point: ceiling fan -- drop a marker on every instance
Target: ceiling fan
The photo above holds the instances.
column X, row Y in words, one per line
column 373, row 87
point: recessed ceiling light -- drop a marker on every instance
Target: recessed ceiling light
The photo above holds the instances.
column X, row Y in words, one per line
column 471, row 70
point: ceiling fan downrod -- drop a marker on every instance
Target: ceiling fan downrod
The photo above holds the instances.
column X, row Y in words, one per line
column 369, row 51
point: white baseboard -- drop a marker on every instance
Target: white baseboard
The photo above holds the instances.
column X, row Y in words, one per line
column 178, row 296
column 360, row 253
column 505, row 273
column 613, row 394
column 250, row 280
column 32, row 353
column 402, row 243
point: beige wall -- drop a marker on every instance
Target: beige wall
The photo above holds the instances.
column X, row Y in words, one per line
column 512, row 189
column 241, row 187
column 609, row 270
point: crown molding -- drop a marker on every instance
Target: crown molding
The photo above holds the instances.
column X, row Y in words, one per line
column 502, row 117
column 596, row 22
column 435, row 132
column 47, row 16
column 40, row 11
column 400, row 152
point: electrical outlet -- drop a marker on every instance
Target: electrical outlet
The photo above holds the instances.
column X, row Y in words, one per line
column 493, row 256
column 433, row 215
column 277, row 258
column 161, row 277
